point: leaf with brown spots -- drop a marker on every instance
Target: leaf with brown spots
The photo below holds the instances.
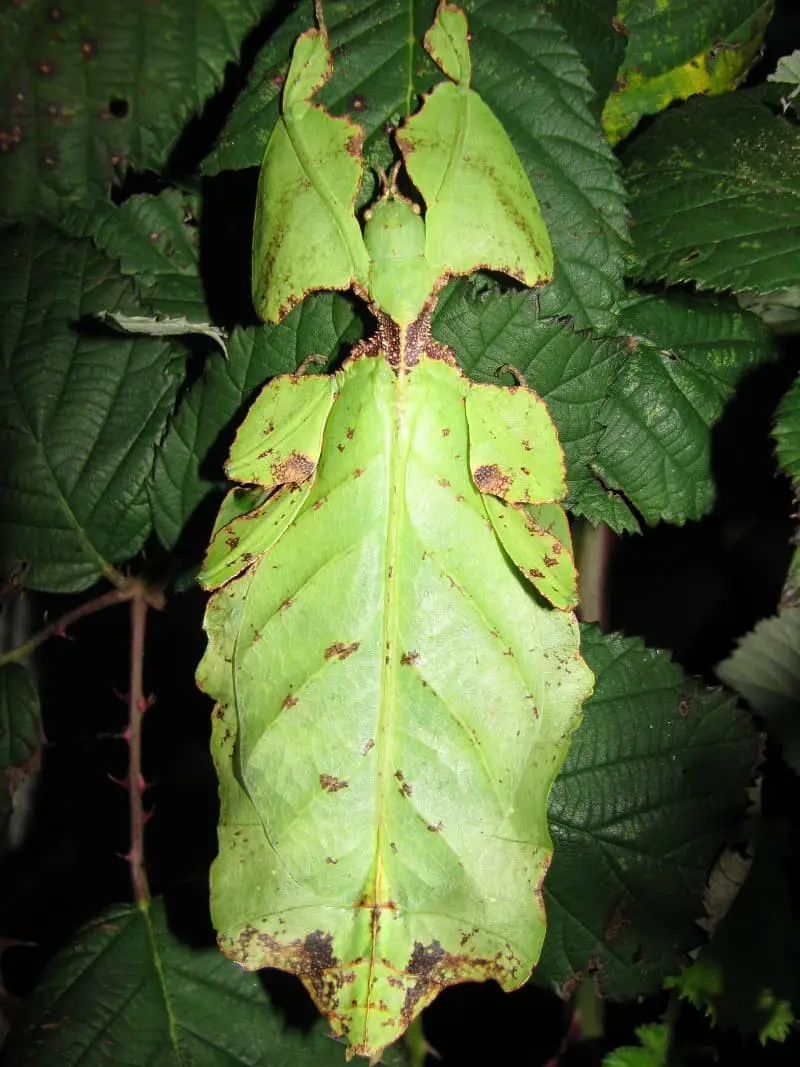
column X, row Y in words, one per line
column 280, row 439
column 412, row 656
column 306, row 236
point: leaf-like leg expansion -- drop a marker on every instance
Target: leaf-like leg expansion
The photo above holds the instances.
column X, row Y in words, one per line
column 246, row 537
column 306, row 236
column 514, row 452
column 481, row 210
column 544, row 560
column 280, row 440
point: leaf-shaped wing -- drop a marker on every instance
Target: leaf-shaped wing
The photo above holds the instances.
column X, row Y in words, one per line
column 481, row 210
column 306, row 236
column 393, row 707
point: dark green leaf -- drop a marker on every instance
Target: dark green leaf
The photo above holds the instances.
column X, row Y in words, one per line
column 653, row 782
column 746, row 977
column 765, row 669
column 686, row 357
column 590, row 28
column 126, row 991
column 714, row 196
column 81, row 413
column 183, row 474
column 531, row 78
column 155, row 239
column 787, row 432
column 90, row 88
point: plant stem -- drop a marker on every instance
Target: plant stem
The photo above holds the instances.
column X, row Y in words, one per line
column 137, row 706
column 128, row 590
column 592, row 552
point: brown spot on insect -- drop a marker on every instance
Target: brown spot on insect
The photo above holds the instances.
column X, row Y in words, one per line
column 340, row 447
column 341, row 650
column 358, row 472
column 290, row 701
column 256, row 636
column 394, row 981
column 330, row 859
column 286, row 605
column 444, row 483
column 408, row 659
column 232, row 541
column 296, row 468
column 318, row 503
column 446, row 431
column 550, row 561
column 490, row 479
column 405, row 789
column 532, row 572
column 350, row 432
column 219, row 713
column 369, row 744
column 436, row 828
column 331, row 784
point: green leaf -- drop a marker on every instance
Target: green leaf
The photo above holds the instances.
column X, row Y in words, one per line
column 714, row 196
column 652, row 1052
column 541, row 97
column 765, row 669
column 156, row 241
column 677, row 48
column 20, row 734
column 686, row 357
column 591, row 26
column 746, row 978
column 81, row 415
column 481, row 212
column 787, row 431
column 90, row 88
column 653, row 783
column 571, row 371
column 126, row 990
column 397, row 845
column 305, row 235
column 185, row 472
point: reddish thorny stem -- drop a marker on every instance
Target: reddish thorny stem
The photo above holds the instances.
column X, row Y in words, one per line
column 137, row 706
column 141, row 597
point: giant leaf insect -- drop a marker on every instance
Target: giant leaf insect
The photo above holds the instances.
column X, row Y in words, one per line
column 391, row 642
